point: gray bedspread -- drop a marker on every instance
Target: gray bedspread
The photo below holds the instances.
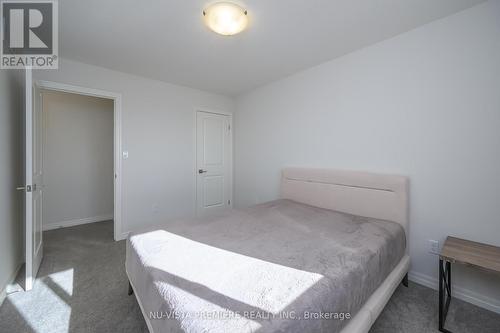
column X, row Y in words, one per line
column 280, row 266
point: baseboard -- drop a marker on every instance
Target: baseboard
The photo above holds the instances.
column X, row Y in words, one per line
column 11, row 280
column 458, row 292
column 72, row 223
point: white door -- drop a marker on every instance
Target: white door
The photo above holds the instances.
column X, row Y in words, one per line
column 214, row 159
column 34, row 183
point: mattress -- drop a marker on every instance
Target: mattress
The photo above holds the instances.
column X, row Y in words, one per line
column 280, row 266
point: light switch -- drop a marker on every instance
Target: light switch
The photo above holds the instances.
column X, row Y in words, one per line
column 125, row 154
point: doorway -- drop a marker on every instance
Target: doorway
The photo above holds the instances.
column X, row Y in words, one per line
column 34, row 188
column 77, row 159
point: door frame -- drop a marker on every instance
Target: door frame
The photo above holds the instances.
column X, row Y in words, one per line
column 231, row 151
column 117, row 144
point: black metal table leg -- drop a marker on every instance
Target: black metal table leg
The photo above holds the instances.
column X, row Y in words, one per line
column 444, row 293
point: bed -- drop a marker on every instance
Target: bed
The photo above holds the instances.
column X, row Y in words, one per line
column 326, row 257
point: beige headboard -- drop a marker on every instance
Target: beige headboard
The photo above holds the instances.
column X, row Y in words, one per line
column 359, row 193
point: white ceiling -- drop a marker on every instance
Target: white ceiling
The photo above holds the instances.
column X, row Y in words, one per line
column 167, row 40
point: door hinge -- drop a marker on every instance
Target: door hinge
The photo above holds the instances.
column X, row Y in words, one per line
column 229, row 202
column 228, row 127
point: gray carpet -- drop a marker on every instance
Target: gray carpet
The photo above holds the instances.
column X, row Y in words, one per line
column 82, row 287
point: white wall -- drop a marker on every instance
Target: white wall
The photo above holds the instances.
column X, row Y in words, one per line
column 158, row 130
column 424, row 104
column 78, row 159
column 11, row 175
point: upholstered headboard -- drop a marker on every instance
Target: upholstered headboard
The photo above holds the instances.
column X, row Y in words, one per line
column 359, row 193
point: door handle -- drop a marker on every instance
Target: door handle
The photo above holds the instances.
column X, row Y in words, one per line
column 200, row 171
column 27, row 188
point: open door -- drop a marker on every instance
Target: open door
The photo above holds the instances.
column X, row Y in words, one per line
column 34, row 184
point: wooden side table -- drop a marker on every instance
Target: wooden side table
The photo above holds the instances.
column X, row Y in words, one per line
column 461, row 251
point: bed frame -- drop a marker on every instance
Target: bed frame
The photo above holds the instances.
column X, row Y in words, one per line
column 359, row 193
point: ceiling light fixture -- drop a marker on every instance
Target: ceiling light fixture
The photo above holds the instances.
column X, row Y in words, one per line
column 226, row 18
